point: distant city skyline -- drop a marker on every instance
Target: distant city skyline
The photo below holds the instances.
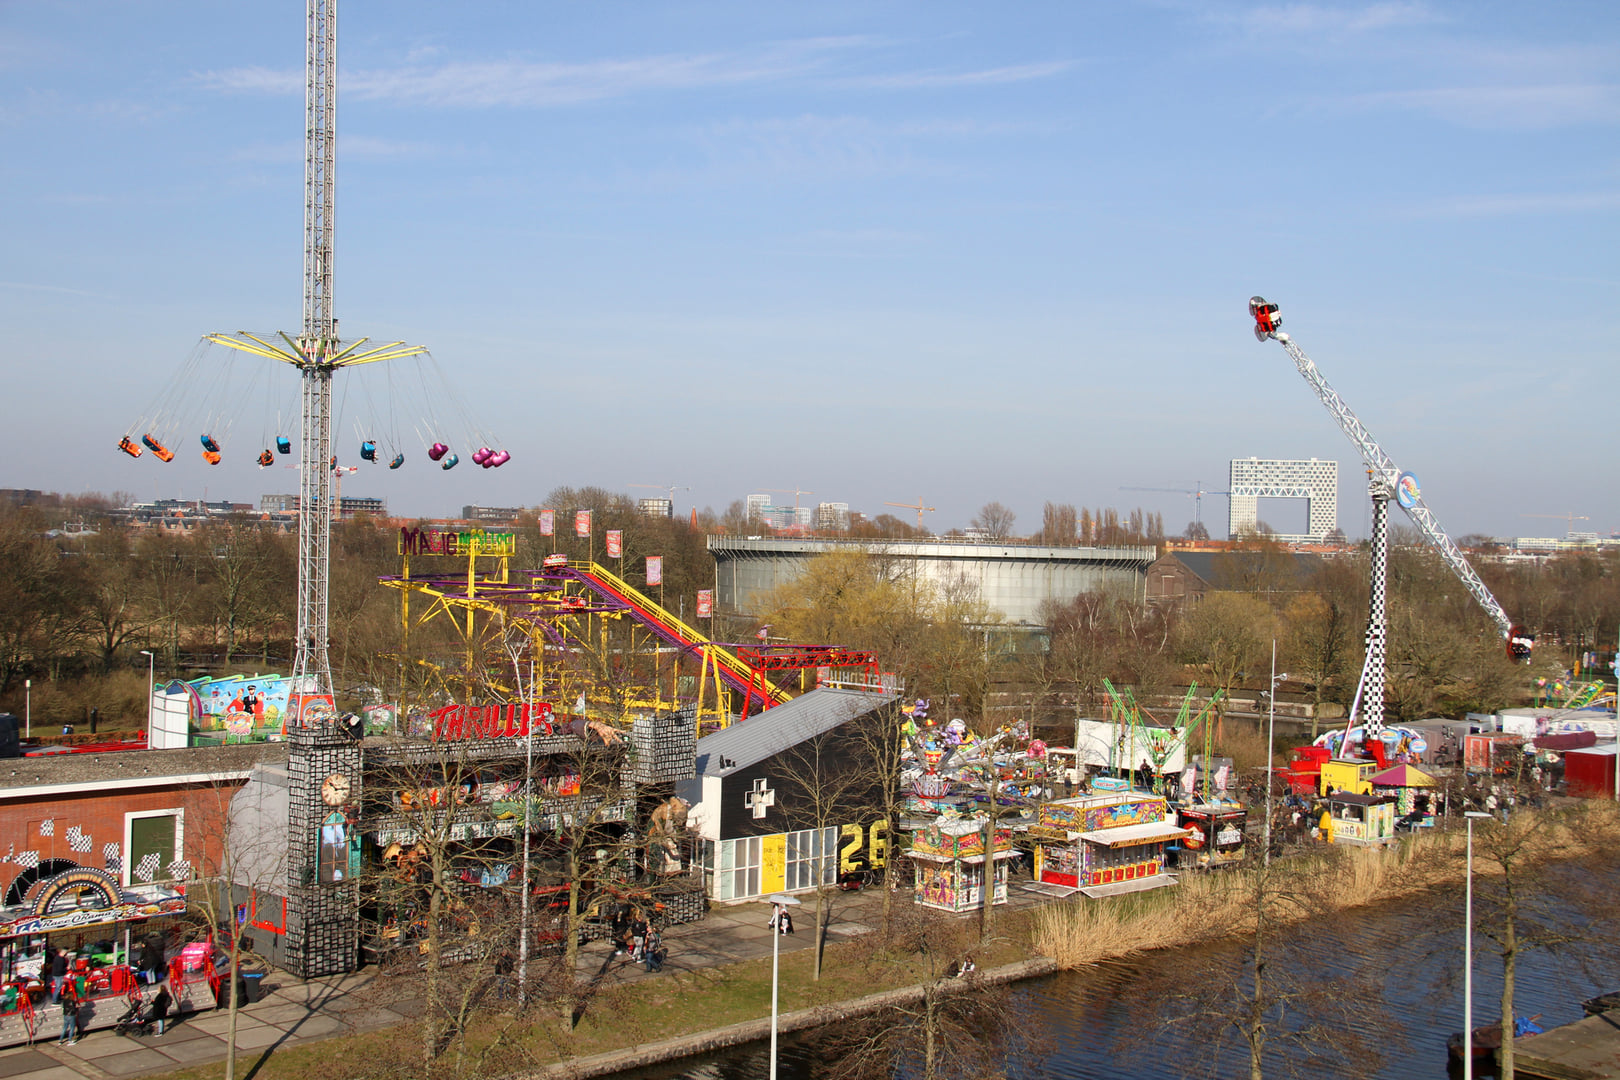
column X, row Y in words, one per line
column 940, row 251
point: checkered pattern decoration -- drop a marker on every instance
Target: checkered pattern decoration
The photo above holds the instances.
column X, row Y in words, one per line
column 147, row 868
column 180, row 870
column 28, row 859
column 47, row 827
column 110, row 858
column 1372, row 699
column 79, row 840
column 10, row 855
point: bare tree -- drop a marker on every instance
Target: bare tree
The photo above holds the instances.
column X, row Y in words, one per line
column 996, row 520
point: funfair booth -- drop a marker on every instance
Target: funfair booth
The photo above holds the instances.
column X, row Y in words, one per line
column 950, row 861
column 1104, row 844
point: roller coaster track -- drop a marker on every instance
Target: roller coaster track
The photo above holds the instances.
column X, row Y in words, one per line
column 617, row 594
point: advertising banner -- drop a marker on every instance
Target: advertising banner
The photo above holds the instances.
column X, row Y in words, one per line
column 655, row 570
column 705, row 603
column 582, row 523
column 548, row 523
column 615, row 543
column 241, row 708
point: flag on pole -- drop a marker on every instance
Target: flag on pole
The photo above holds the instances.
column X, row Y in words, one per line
column 615, row 543
column 582, row 523
column 705, row 603
column 548, row 522
column 655, row 570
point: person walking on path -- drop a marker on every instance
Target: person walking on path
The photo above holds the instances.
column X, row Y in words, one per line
column 160, row 1009
column 638, row 936
column 69, row 998
column 652, row 950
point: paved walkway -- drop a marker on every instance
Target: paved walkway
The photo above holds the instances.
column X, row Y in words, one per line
column 293, row 1012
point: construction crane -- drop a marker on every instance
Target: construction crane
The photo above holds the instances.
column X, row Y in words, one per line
column 917, row 506
column 1385, row 481
column 670, row 489
column 1197, row 495
column 795, row 492
column 1570, row 519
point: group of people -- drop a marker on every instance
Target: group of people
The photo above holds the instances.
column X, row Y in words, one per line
column 634, row 933
column 70, row 989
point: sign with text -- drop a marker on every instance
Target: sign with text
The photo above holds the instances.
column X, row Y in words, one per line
column 491, row 721
column 582, row 523
column 655, row 569
column 548, row 523
column 705, row 603
column 456, row 542
column 615, row 543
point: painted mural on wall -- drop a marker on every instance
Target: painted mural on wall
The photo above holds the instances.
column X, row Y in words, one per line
column 239, row 708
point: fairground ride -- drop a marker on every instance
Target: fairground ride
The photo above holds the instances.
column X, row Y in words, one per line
column 595, row 643
column 1142, row 732
column 1385, row 481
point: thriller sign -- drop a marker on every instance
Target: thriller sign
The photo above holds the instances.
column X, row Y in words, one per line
column 491, row 721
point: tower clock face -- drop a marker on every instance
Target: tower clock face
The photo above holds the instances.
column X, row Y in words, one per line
column 335, row 790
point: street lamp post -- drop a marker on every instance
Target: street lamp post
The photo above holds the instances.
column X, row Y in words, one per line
column 528, row 830
column 28, row 708
column 779, row 902
column 151, row 690
column 1468, row 954
column 1271, row 731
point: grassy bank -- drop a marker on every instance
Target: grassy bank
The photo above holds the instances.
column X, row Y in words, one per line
column 1073, row 933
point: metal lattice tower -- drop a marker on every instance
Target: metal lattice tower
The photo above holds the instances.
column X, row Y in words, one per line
column 312, row 668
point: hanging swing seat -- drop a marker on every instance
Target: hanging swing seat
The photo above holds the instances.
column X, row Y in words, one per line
column 209, row 445
column 211, row 456
column 399, row 459
column 159, row 451
column 127, row 445
column 368, row 451
column 499, row 458
column 266, row 459
column 450, row 462
column 437, row 451
column 283, row 444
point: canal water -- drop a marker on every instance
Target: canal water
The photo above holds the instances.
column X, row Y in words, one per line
column 1091, row 1020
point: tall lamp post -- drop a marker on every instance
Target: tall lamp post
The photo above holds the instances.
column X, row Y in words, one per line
column 151, row 690
column 779, row 902
column 1271, row 731
column 28, row 708
column 1468, row 953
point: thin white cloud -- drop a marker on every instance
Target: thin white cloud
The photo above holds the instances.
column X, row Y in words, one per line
column 928, row 80
column 1328, row 20
column 531, row 84
column 27, row 286
column 1505, row 205
column 1524, row 107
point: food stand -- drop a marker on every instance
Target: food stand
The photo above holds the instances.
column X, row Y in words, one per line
column 1214, row 835
column 1409, row 787
column 87, row 914
column 1361, row 820
column 1102, row 844
column 949, row 860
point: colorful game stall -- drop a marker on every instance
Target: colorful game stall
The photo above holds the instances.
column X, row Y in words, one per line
column 1409, row 786
column 950, row 861
column 1360, row 820
column 85, row 914
column 1104, row 844
column 1214, row 835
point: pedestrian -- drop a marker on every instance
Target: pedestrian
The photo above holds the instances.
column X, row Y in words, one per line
column 638, row 935
column 787, row 921
column 58, row 974
column 652, row 950
column 160, row 1009
column 69, row 998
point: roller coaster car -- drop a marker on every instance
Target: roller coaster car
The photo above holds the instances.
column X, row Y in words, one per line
column 266, row 459
column 159, row 451
column 1266, row 319
column 127, row 445
column 1519, row 644
column 209, row 444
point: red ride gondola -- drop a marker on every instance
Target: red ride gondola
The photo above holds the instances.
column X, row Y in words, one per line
column 127, row 445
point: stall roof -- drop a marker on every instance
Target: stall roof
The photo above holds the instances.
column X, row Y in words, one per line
column 1402, row 776
column 1152, row 832
column 1358, row 800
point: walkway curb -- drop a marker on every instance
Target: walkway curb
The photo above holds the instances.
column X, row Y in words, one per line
column 702, row 1042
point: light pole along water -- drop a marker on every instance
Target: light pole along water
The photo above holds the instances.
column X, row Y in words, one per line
column 1468, row 953
column 779, row 902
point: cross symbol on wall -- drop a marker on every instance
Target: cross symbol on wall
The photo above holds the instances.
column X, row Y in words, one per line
column 761, row 798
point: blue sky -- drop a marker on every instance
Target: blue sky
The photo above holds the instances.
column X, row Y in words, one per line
column 878, row 251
